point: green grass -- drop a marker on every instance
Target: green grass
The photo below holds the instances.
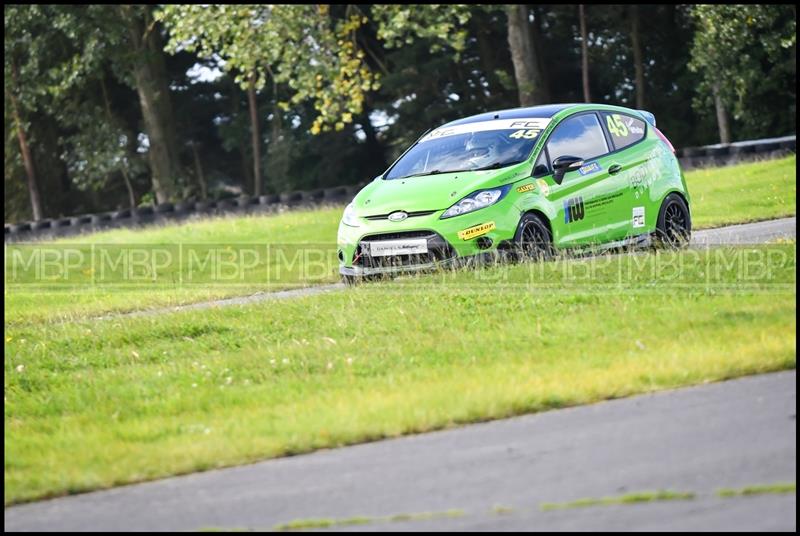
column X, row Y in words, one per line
column 305, row 524
column 500, row 510
column 777, row 488
column 93, row 404
column 192, row 263
column 719, row 196
column 630, row 498
column 743, row 193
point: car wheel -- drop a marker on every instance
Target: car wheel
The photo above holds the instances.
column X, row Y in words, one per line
column 533, row 240
column 674, row 225
column 350, row 280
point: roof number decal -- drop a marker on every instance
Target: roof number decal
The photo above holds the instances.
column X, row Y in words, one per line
column 525, row 124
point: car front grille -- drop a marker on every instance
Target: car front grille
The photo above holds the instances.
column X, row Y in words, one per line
column 378, row 217
column 438, row 250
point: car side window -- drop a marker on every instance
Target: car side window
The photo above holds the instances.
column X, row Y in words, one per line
column 624, row 129
column 541, row 168
column 580, row 136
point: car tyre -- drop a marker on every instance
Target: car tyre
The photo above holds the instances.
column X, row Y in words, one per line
column 674, row 225
column 533, row 240
column 350, row 280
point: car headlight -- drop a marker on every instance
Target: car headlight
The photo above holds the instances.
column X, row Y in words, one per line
column 476, row 201
column 349, row 217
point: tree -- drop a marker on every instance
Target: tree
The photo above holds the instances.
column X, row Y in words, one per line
column 637, row 56
column 19, row 127
column 746, row 58
column 23, row 92
column 584, row 54
column 301, row 46
column 64, row 56
column 149, row 75
column 446, row 25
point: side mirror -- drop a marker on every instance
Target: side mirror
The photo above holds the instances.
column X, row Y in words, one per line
column 563, row 164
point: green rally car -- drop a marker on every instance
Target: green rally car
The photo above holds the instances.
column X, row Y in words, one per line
column 531, row 181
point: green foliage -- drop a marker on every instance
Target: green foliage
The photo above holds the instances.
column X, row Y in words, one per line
column 750, row 51
column 55, row 50
column 302, row 46
column 444, row 25
column 98, row 150
column 57, row 58
column 344, row 89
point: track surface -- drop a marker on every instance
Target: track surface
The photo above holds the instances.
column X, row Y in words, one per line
column 732, row 434
column 749, row 233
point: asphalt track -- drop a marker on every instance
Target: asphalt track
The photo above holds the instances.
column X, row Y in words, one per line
column 748, row 233
column 699, row 439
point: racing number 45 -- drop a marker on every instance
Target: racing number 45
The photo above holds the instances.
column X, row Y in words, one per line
column 525, row 134
column 616, row 126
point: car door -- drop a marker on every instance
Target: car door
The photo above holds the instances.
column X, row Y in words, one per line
column 630, row 158
column 590, row 202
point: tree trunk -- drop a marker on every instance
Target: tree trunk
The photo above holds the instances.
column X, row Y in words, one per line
column 244, row 157
column 486, row 51
column 255, row 136
column 125, row 177
column 637, row 57
column 151, row 84
column 27, row 159
column 129, row 187
column 523, row 56
column 279, row 148
column 536, row 35
column 198, row 168
column 722, row 117
column 584, row 54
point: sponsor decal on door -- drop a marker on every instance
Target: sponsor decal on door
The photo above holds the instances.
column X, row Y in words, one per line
column 638, row 217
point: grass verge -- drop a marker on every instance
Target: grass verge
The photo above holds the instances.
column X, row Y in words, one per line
column 93, row 404
column 777, row 488
column 743, row 193
column 306, row 524
column 630, row 498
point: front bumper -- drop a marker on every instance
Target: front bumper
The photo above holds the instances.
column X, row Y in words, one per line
column 360, row 271
column 445, row 246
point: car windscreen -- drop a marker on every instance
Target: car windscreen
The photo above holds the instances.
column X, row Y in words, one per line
column 470, row 147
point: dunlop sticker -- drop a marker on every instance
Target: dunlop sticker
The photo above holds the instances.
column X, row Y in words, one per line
column 526, row 188
column 478, row 230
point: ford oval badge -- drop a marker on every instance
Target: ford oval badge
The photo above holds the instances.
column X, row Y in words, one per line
column 398, row 216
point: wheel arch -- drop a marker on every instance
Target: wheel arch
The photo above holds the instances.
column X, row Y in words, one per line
column 541, row 215
column 680, row 194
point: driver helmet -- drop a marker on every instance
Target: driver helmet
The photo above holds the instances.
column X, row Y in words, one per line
column 482, row 148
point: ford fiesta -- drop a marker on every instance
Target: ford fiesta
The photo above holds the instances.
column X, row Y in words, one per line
column 532, row 181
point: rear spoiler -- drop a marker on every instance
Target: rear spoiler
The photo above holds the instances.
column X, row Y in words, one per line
column 650, row 118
